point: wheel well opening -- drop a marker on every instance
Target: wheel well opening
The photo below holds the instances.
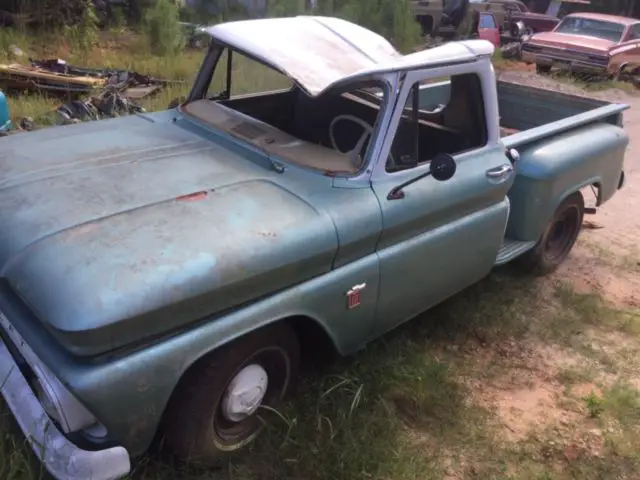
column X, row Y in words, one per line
column 597, row 192
column 316, row 347
column 315, row 343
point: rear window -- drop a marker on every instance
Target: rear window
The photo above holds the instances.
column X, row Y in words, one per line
column 591, row 28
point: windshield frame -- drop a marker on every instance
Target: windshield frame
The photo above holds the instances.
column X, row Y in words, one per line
column 212, row 62
column 571, row 18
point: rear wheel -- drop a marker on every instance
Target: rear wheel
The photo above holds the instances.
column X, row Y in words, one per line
column 223, row 401
column 558, row 238
column 542, row 69
column 631, row 76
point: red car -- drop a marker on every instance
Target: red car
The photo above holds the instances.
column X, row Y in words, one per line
column 588, row 42
column 517, row 11
column 488, row 28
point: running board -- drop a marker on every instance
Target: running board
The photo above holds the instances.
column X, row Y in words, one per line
column 511, row 249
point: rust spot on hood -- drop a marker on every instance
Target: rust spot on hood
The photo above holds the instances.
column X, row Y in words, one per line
column 192, row 197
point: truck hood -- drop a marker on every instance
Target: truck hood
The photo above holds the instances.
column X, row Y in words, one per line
column 579, row 43
column 100, row 242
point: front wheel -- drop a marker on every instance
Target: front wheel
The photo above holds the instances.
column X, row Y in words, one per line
column 558, row 238
column 221, row 402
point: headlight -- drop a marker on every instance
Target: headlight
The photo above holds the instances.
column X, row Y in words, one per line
column 56, row 400
column 59, row 403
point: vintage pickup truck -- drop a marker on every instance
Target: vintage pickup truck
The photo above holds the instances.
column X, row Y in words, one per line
column 164, row 272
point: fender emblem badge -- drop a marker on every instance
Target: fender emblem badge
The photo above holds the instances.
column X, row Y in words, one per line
column 353, row 296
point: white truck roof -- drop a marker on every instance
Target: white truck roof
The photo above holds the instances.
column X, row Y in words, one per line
column 320, row 52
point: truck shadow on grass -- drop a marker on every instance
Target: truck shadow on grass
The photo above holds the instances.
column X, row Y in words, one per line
column 400, row 409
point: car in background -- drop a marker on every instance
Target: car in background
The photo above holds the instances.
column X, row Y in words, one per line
column 488, row 29
column 588, row 43
column 517, row 11
column 509, row 12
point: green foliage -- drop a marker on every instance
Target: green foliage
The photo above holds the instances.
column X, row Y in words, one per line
column 286, row 8
column 49, row 14
column 85, row 32
column 163, row 29
column 595, row 405
column 393, row 19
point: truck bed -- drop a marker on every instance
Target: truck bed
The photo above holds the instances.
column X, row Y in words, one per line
column 566, row 142
column 528, row 114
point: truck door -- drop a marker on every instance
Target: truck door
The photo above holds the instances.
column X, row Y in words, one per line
column 441, row 236
column 488, row 29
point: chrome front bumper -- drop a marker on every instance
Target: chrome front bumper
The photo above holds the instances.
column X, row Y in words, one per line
column 566, row 64
column 63, row 459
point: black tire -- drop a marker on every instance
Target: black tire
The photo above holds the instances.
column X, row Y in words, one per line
column 195, row 426
column 542, row 69
column 558, row 238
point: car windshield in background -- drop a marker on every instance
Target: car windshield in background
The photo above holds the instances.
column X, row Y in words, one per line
column 591, row 28
column 486, row 21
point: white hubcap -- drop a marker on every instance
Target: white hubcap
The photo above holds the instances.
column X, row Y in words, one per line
column 245, row 393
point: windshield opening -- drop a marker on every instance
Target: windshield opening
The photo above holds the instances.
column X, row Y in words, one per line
column 255, row 103
column 591, row 28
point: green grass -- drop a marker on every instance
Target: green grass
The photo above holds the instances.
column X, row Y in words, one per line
column 592, row 84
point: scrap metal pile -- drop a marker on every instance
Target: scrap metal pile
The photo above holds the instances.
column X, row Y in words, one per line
column 57, row 77
column 92, row 93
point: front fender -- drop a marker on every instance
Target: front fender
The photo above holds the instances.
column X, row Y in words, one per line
column 551, row 169
column 128, row 391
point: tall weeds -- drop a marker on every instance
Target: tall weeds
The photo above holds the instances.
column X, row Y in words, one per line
column 163, row 29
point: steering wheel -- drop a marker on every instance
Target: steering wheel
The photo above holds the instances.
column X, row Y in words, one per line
column 355, row 153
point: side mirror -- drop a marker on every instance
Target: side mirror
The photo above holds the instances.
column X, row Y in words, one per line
column 443, row 167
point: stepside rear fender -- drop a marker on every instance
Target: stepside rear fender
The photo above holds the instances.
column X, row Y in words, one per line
column 553, row 167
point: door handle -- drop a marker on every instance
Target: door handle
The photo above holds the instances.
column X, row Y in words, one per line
column 500, row 172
